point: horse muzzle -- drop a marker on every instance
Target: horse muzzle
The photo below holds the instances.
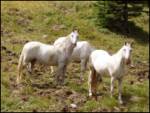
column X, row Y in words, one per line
column 75, row 44
column 128, row 61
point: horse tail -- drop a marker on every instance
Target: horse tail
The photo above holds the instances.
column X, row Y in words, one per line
column 20, row 65
column 93, row 81
column 93, row 73
column 92, row 49
column 92, row 70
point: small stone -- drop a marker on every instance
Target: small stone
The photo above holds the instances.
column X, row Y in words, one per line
column 116, row 108
column 73, row 105
column 44, row 36
column 135, row 98
column 132, row 66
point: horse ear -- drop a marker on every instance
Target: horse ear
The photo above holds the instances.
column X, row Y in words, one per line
column 75, row 29
column 131, row 43
column 125, row 43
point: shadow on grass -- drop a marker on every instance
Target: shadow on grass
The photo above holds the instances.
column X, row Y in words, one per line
column 126, row 98
column 43, row 86
column 134, row 31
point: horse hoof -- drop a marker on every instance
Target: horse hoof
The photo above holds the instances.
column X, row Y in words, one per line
column 81, row 80
column 90, row 94
column 121, row 102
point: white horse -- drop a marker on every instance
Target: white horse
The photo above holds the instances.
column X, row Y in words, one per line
column 101, row 62
column 80, row 54
column 48, row 55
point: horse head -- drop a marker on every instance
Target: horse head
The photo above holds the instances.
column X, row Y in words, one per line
column 74, row 36
column 127, row 49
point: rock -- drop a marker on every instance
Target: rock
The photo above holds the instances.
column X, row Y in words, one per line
column 140, row 79
column 44, row 36
column 132, row 66
column 135, row 98
column 73, row 106
column 116, row 108
column 60, row 92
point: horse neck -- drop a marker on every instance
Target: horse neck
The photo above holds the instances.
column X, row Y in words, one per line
column 68, row 36
column 119, row 56
column 67, row 46
column 70, row 46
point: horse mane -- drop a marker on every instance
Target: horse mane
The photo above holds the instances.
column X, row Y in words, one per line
column 120, row 50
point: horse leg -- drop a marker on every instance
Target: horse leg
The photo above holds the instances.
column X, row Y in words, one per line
column 92, row 83
column 89, row 83
column 120, row 90
column 57, row 74
column 112, row 86
column 62, row 77
column 64, row 71
column 60, row 73
column 83, row 67
column 30, row 66
column 52, row 69
column 99, row 78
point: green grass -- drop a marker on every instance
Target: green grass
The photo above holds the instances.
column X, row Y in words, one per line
column 31, row 21
column 89, row 105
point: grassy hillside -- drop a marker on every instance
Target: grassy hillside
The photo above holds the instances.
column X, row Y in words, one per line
column 45, row 22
